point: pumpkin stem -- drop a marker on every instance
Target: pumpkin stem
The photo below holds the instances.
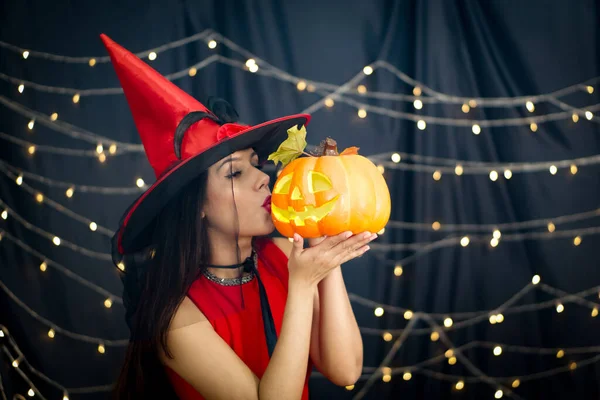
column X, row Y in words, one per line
column 329, row 147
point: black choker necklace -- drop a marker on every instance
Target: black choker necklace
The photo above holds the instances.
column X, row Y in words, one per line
column 249, row 266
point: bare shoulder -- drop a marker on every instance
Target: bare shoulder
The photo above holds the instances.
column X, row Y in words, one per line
column 186, row 314
column 284, row 245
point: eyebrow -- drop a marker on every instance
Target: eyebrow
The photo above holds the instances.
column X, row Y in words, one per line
column 236, row 159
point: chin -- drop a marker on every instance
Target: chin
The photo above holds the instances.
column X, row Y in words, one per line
column 261, row 229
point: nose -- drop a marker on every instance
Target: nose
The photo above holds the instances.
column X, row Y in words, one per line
column 263, row 180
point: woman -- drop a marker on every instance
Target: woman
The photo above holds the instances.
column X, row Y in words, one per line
column 204, row 324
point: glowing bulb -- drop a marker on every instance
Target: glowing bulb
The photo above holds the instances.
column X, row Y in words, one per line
column 417, row 91
column 92, row 62
column 575, row 117
column 434, row 336
column 152, row 56
column 458, row 170
column 449, row 353
column 43, row 266
column 301, row 85
column 398, row 270
column 101, row 349
column 1, row 333
column 464, row 242
column 56, row 240
column 93, row 226
column 19, row 180
column 381, row 168
column 253, row 68
column 31, row 150
column 595, row 312
column 250, row 61
column 590, row 89
column 448, row 322
column 379, row 312
column 15, row 363
column 493, row 319
column 368, row 70
column 381, row 232
column 465, row 108
column 108, row 303
column 437, row 175
column 121, row 266
column 493, row 176
column 4, row 214
column 536, row 279
column 31, row 124
column 99, row 148
column 452, row 360
column 497, row 234
column 459, row 385
column 421, row 125
column 362, row 113
column 573, row 365
column 54, row 117
column 516, row 383
column 408, row 314
column 30, row 393
column 551, row 227
column 39, row 197
column 139, row 182
column 494, row 242
column 436, row 226
column 69, row 192
column 577, row 240
column 192, row 71
column 407, row 376
column 76, row 98
column 362, row 89
column 102, row 157
column 530, row 106
column 387, row 337
column 25, row 54
column 560, row 308
column 573, row 169
column 508, row 174
column 533, row 127
column 589, row 115
column 472, row 103
column 499, row 318
column 21, row 88
column 396, row 158
column 498, row 394
column 560, row 354
column 329, row 102
column 418, row 104
column 212, row 44
column 497, row 350
column 553, row 169
column 51, row 334
column 386, row 378
column 350, row 387
column 65, row 397
column 476, row 129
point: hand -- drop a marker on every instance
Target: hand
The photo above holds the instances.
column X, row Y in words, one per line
column 313, row 264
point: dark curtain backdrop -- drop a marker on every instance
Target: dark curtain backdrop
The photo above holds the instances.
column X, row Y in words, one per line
column 468, row 48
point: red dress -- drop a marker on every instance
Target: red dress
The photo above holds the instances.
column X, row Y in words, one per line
column 242, row 328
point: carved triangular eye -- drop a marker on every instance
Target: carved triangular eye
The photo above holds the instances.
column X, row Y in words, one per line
column 283, row 184
column 318, row 182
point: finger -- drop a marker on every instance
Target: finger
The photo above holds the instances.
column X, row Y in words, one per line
column 345, row 257
column 356, row 242
column 297, row 244
column 333, row 241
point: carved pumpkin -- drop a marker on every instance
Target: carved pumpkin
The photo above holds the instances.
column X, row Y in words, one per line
column 330, row 194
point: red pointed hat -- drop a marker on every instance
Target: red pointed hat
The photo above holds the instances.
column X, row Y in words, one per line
column 181, row 138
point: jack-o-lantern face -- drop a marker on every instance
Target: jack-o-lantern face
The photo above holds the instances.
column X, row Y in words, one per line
column 317, row 182
column 316, row 196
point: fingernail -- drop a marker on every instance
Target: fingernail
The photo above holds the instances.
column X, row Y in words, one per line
column 374, row 236
column 367, row 235
column 367, row 248
column 348, row 234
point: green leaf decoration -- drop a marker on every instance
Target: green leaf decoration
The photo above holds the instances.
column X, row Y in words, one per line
column 291, row 148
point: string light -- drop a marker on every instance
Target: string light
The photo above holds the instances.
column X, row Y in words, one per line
column 54, row 117
column 498, row 394
column 493, row 319
column 4, row 214
column 139, row 182
column 589, row 115
column 493, row 176
column 573, row 365
column 69, row 192
column 51, row 333
column 108, row 303
column 465, row 108
column 594, row 312
column 494, row 242
column 15, row 363
column 507, row 173
column 459, row 385
column 497, row 234
column 437, row 175
column 396, row 158
column 448, row 322
column 418, row 104
column 152, row 56
column 379, row 312
column 472, row 103
column 368, row 70
column 250, row 61
column 573, row 169
column 388, row 337
column 434, row 336
column 516, row 383
column 362, row 113
column 553, row 169
column 31, row 150
column 212, row 44
column 43, row 266
column 1, row 333
column 458, row 170
column 66, row 397
column 421, row 125
column 536, row 279
column 560, row 354
column 112, row 149
column 31, row 124
column 406, row 376
column 497, row 350
column 21, row 88
column 99, row 148
column 329, row 102
column 102, row 157
column 408, row 314
column 436, row 226
column 121, row 266
column 93, row 226
column 101, row 349
column 417, row 91
column 530, row 106
column 301, row 85
column 386, row 378
column 25, row 54
column 575, row 117
column 551, row 227
column 452, row 360
column 560, row 308
column 590, row 89
column 577, row 240
column 92, row 62
column 254, row 67
column 464, row 242
column 362, row 89
column 533, row 127
column 398, row 270
column 476, row 129
column 39, row 197
column 56, row 240
column 76, row 97
column 499, row 318
column 449, row 353
column 192, row 71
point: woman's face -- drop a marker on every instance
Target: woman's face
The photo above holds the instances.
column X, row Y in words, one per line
column 251, row 191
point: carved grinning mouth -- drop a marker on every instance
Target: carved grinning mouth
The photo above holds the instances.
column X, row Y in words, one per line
column 299, row 217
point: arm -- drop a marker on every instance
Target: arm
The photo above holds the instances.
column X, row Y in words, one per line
column 336, row 346
column 207, row 363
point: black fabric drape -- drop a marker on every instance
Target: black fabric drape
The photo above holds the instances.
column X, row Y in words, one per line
column 467, row 48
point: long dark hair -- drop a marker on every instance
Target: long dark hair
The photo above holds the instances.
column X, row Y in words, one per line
column 181, row 247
